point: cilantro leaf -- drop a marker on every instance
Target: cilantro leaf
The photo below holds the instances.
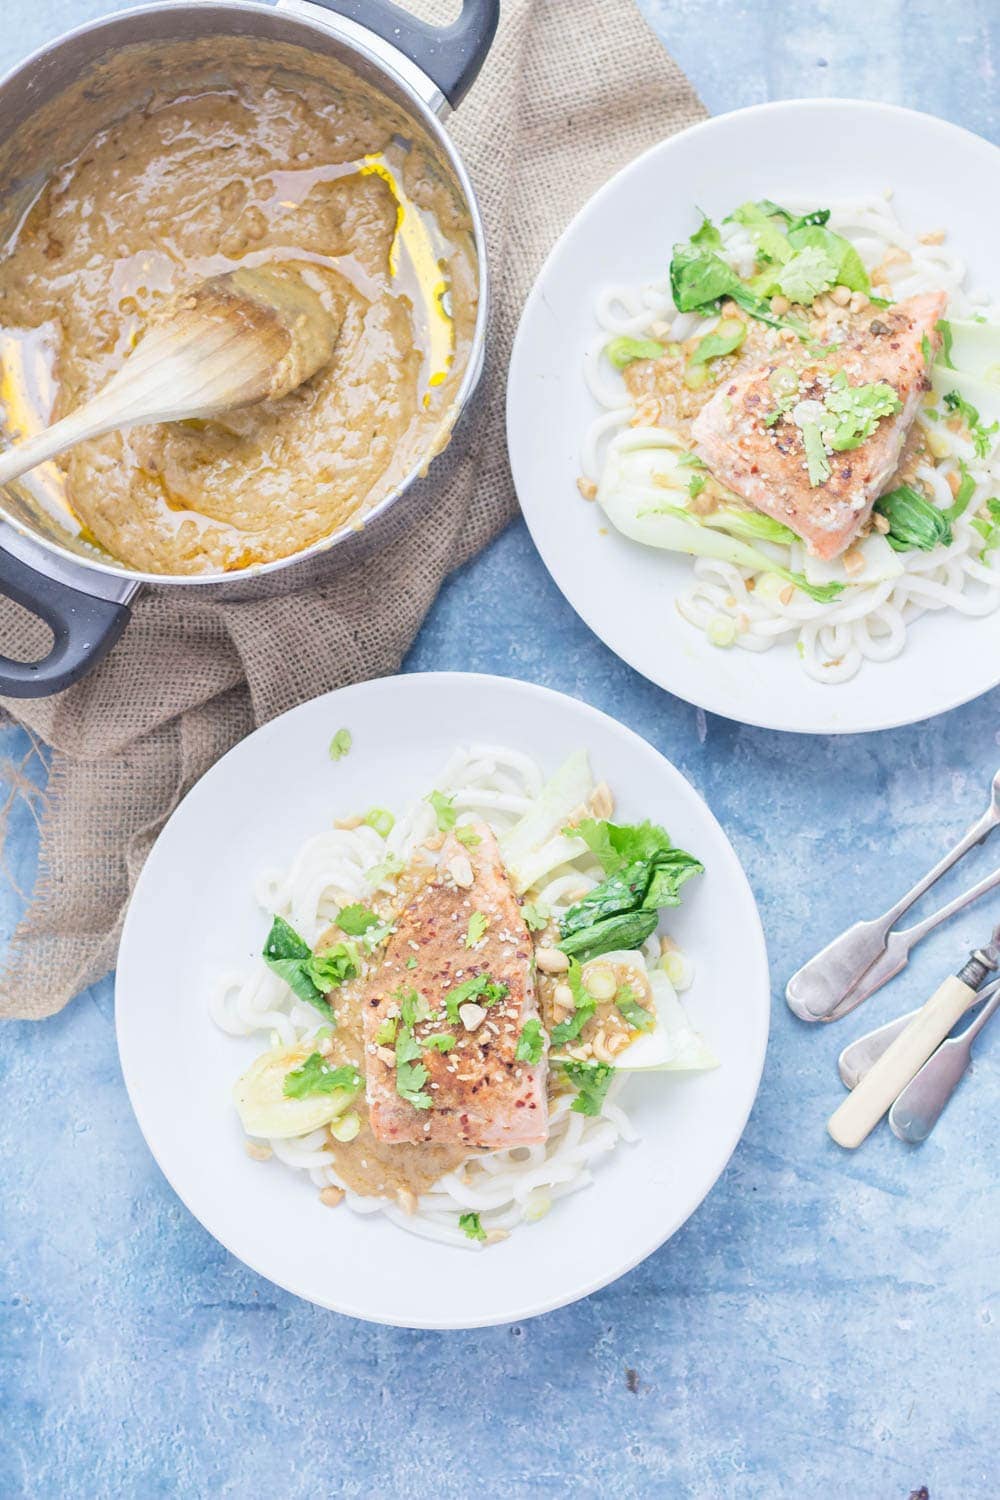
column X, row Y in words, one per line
column 592, row 1081
column 988, row 526
column 857, row 410
column 471, row 1226
column 618, row 844
column 413, row 1007
column 385, row 870
column 478, row 923
column 979, row 433
column 849, row 268
column 480, row 987
column 769, row 239
column 411, row 1075
column 570, row 1029
column 963, row 495
column 341, row 744
column 381, row 819
column 816, row 456
column 333, row 967
column 536, row 915
column 356, row 919
column 468, row 836
column 706, row 237
column 386, row 1034
column 441, row 1041
column 531, row 1042
column 945, row 330
column 443, row 810
column 636, row 1014
column 624, row 351
column 810, row 271
column 317, row 1077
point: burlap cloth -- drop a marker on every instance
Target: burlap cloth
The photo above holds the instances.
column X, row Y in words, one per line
column 571, row 90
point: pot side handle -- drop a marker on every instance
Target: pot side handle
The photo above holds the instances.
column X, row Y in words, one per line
column 451, row 56
column 85, row 628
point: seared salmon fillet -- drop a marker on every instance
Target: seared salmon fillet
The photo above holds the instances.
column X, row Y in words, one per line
column 766, row 461
column 458, row 968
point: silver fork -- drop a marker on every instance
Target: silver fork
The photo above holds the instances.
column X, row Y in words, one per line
column 835, row 980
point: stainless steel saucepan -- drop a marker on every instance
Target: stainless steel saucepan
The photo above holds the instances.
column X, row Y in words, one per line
column 422, row 70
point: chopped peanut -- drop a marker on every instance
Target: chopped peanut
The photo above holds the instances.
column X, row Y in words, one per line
column 647, row 413
column 460, row 870
column 563, row 998
column 587, row 488
column 551, row 961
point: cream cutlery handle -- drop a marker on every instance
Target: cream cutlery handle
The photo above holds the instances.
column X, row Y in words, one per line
column 875, row 1093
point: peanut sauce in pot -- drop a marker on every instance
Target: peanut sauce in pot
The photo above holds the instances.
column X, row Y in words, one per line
column 266, row 164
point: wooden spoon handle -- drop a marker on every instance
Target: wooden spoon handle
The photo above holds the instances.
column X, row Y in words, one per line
column 43, row 445
column 861, row 1110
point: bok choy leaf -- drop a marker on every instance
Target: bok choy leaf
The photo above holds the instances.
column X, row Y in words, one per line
column 646, row 874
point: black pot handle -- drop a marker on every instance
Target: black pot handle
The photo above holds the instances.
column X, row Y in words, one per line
column 85, row 629
column 450, row 55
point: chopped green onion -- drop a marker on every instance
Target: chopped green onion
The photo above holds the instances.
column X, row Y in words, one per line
column 695, row 376
column 727, row 336
column 471, row 1226
column 624, row 351
column 340, row 745
column 721, row 630
column 381, row 820
column 346, row 1128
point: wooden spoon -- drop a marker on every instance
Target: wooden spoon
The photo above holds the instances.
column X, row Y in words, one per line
column 251, row 335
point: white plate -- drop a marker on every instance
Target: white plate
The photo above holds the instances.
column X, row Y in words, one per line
column 193, row 913
column 815, row 149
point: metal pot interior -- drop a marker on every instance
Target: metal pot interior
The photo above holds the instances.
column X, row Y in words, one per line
column 53, row 105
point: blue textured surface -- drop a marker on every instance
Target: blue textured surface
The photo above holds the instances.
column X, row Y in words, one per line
column 824, row 1325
